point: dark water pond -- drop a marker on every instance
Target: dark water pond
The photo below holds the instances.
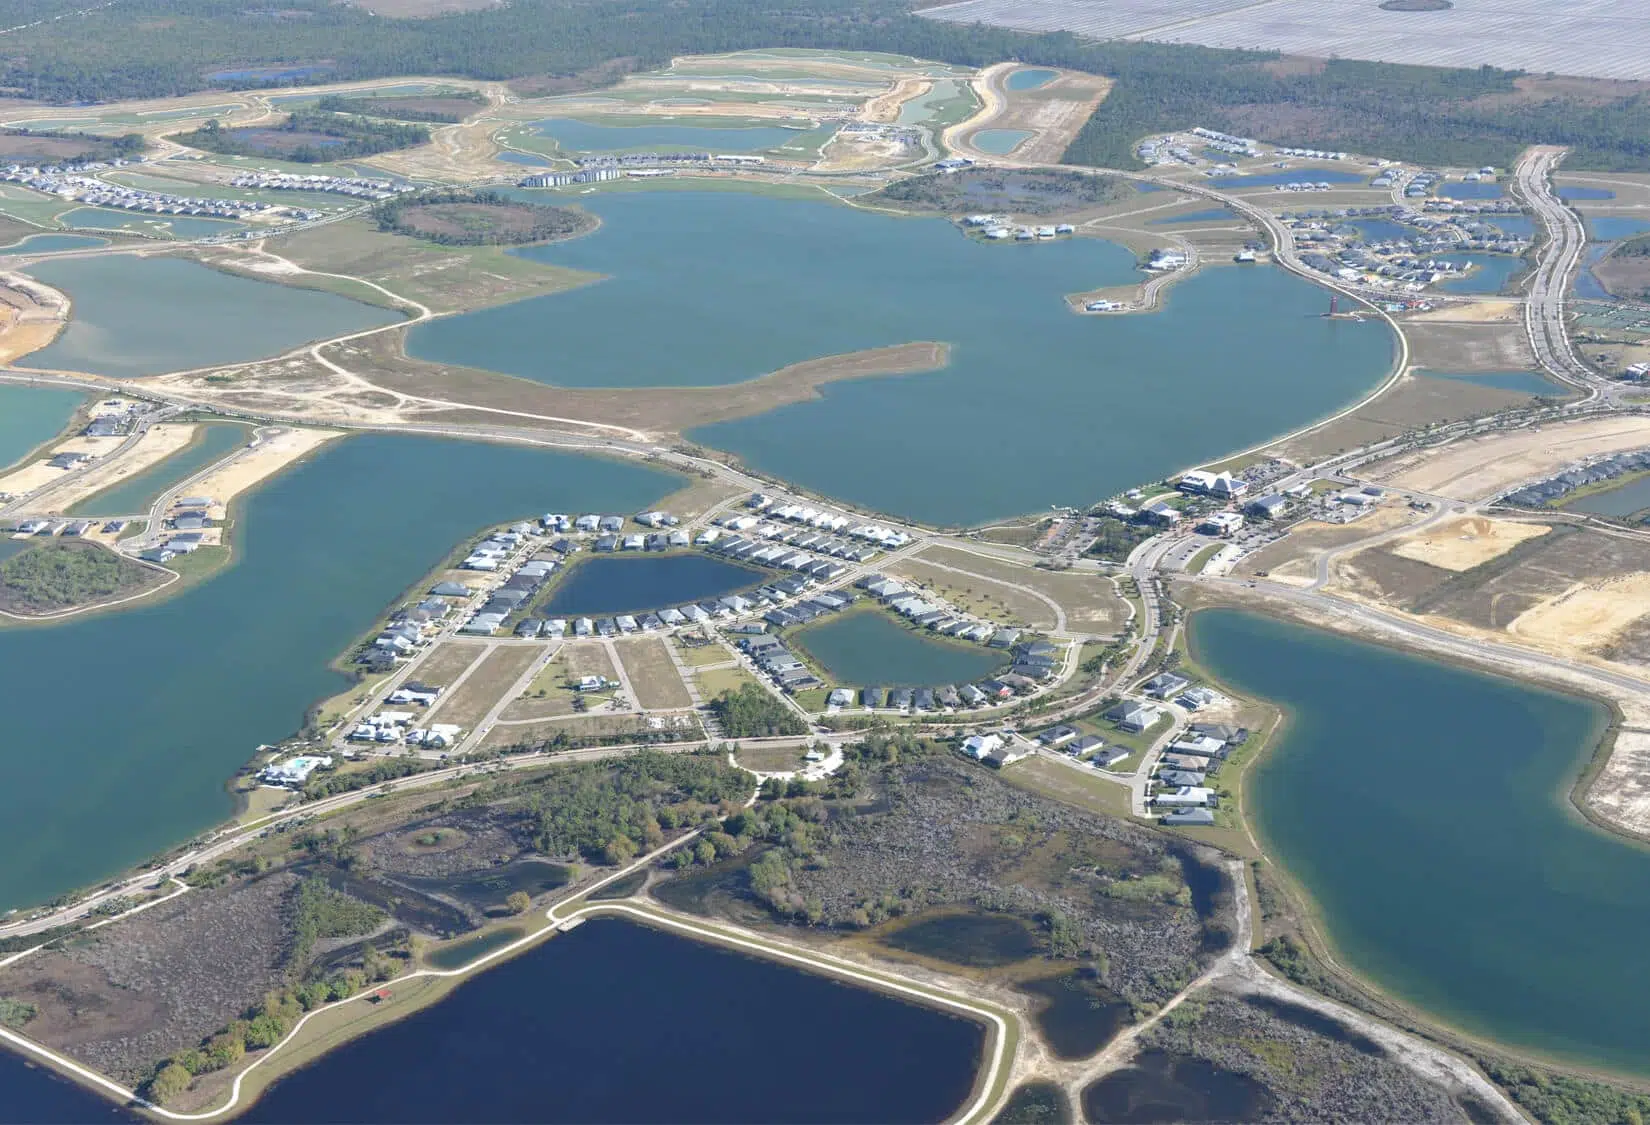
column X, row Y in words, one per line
column 977, row 940
column 616, row 1022
column 1162, row 1087
column 488, row 888
column 1035, row 1103
column 1081, row 1014
column 33, row 1095
column 611, row 584
column 462, row 953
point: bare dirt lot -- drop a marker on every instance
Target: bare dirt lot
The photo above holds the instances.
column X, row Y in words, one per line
column 1463, row 346
column 653, row 674
column 447, row 661
column 482, row 688
column 1588, row 616
column 1054, row 113
column 1465, row 543
column 1478, row 468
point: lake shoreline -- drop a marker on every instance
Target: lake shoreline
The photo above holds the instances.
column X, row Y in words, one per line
column 1363, row 990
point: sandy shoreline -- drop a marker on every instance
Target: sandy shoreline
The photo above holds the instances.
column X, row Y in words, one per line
column 159, row 442
column 254, row 464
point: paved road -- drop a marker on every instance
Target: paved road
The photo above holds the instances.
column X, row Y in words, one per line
column 1556, row 264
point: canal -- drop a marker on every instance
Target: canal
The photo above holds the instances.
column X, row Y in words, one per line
column 124, row 726
column 618, row 1022
column 134, row 495
column 708, row 288
column 1425, row 807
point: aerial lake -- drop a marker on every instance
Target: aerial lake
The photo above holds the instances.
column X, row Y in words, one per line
column 714, row 288
column 1425, row 808
column 1475, row 190
column 1489, row 274
column 146, row 316
column 1632, row 495
column 35, row 1095
column 703, row 1040
column 581, row 136
column 31, row 415
column 865, row 648
column 134, row 495
column 999, row 142
column 1030, row 79
column 192, row 684
column 48, row 243
column 609, row 584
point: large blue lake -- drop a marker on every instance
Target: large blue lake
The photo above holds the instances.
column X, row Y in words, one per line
column 187, row 688
column 1428, row 815
column 699, row 1034
column 714, row 288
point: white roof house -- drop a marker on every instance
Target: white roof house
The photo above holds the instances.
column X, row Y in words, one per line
column 979, row 745
column 1185, row 795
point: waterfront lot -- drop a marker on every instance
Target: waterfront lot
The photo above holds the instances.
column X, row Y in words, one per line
column 652, row 673
column 1072, row 785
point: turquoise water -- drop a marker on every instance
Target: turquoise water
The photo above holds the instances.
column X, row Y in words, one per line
column 178, row 226
column 186, row 688
column 134, row 495
column 999, row 142
column 714, row 288
column 1471, row 191
column 46, row 243
column 1523, row 382
column 582, row 136
column 144, row 316
column 1030, row 79
column 31, row 415
column 1622, row 500
column 866, row 648
column 1490, row 276
column 1425, row 807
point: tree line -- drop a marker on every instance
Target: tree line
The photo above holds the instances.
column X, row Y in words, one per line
column 158, row 48
column 475, row 218
column 347, row 137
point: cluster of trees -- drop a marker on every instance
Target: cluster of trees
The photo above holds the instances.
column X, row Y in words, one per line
column 156, row 48
column 754, row 712
column 403, row 109
column 319, row 912
column 266, row 1024
column 1563, row 1098
column 346, row 137
column 1029, row 192
column 610, row 812
column 329, row 783
column 475, row 218
column 1114, row 539
column 57, row 574
column 16, row 1013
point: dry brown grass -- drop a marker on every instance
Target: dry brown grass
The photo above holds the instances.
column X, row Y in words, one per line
column 1415, row 401
column 494, row 676
column 1090, row 602
column 1479, row 467
column 447, row 661
column 653, row 675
